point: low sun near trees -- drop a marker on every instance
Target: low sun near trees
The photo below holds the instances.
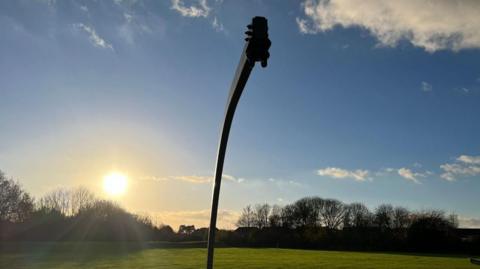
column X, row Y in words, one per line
column 75, row 214
column 69, row 214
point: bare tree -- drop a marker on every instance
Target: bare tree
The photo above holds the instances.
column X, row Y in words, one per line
column 80, row 199
column 288, row 216
column 384, row 216
column 262, row 212
column 58, row 200
column 347, row 218
column 317, row 205
column 15, row 204
column 247, row 217
column 275, row 218
column 453, row 218
column 307, row 211
column 401, row 217
column 69, row 202
column 332, row 213
column 361, row 216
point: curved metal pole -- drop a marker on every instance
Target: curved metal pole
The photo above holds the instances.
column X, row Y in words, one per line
column 256, row 49
column 243, row 72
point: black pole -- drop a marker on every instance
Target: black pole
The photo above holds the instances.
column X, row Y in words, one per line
column 255, row 50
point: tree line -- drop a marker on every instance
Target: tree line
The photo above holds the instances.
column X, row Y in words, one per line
column 315, row 222
column 70, row 214
column 75, row 214
column 333, row 214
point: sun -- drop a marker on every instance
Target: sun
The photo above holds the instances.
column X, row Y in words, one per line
column 115, row 183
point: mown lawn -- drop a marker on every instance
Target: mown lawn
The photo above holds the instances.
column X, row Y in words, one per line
column 110, row 255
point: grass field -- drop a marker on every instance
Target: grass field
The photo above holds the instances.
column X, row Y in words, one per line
column 109, row 255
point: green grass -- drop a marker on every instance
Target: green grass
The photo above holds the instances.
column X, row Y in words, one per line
column 110, row 255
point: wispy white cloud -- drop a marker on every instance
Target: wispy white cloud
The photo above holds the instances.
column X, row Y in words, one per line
column 464, row 165
column 280, row 182
column 409, row 175
column 200, row 9
column 405, row 172
column 426, row 87
column 196, row 9
column 339, row 173
column 194, row 178
column 217, row 25
column 431, row 25
column 304, row 27
column 469, row 159
column 94, row 38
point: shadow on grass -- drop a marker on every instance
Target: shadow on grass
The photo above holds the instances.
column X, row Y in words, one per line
column 79, row 253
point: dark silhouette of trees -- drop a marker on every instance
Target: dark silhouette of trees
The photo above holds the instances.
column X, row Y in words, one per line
column 357, row 215
column 384, row 217
column 401, row 218
column 80, row 199
column 332, row 213
column 69, row 202
column 306, row 211
column 246, row 218
column 261, row 215
column 70, row 214
column 288, row 216
column 312, row 222
column 186, row 229
column 275, row 217
column 15, row 204
column 432, row 231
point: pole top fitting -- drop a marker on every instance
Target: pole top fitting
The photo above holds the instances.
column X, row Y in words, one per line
column 258, row 42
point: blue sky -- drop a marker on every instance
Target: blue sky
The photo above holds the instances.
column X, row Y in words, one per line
column 375, row 103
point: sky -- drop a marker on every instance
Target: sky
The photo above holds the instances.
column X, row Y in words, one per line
column 374, row 103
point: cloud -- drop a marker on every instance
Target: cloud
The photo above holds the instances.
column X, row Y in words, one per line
column 94, row 38
column 469, row 159
column 468, row 222
column 406, row 173
column 338, row 173
column 194, row 178
column 464, row 165
column 200, row 218
column 200, row 9
column 430, row 24
column 409, row 175
column 304, row 27
column 426, row 87
column 217, row 25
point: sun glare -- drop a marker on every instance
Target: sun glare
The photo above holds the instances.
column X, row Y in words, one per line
column 115, row 183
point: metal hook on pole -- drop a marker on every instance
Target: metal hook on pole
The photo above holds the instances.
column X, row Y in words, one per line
column 255, row 50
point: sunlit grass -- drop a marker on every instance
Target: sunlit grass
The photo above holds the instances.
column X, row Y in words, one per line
column 129, row 255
